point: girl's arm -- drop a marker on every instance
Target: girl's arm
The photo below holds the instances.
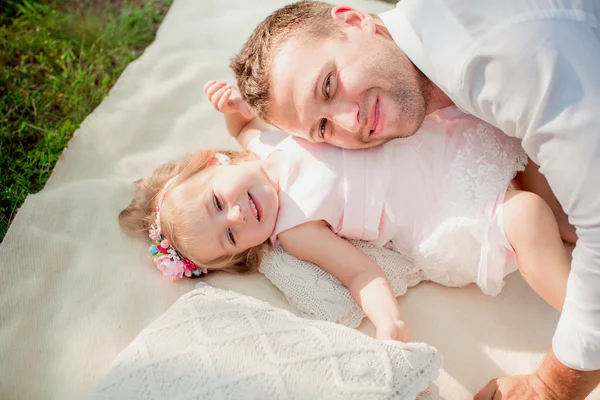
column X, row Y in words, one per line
column 315, row 242
column 239, row 118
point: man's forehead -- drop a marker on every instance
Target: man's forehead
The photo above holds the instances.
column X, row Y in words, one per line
column 292, row 51
column 295, row 68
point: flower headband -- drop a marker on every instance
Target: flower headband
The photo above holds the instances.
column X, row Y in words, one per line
column 164, row 256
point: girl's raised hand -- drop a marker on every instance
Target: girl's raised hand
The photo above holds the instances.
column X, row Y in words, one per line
column 226, row 99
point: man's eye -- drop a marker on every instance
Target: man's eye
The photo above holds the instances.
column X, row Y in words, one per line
column 230, row 236
column 327, row 86
column 322, row 128
column 218, row 203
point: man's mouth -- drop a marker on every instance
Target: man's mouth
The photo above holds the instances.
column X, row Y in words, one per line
column 374, row 120
column 255, row 209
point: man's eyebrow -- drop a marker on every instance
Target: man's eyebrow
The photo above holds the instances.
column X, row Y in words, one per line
column 315, row 85
column 311, row 133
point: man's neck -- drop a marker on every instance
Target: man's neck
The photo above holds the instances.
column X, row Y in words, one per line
column 437, row 99
column 380, row 28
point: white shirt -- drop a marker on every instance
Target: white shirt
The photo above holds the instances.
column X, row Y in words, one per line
column 532, row 69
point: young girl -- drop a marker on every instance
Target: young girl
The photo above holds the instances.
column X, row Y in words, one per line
column 444, row 197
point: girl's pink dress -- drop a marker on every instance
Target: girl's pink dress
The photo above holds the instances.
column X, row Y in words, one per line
column 437, row 195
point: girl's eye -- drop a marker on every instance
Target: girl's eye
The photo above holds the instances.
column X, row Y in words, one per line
column 218, row 203
column 322, row 128
column 230, row 236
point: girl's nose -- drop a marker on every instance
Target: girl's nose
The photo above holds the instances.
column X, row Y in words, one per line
column 235, row 215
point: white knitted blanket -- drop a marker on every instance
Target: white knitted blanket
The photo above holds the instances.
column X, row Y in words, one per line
column 318, row 295
column 216, row 344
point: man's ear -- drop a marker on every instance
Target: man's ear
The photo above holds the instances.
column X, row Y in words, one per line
column 347, row 16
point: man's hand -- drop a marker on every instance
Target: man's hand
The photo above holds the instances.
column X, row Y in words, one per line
column 552, row 381
column 521, row 387
column 226, row 99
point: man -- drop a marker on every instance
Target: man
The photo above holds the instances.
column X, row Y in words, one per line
column 532, row 69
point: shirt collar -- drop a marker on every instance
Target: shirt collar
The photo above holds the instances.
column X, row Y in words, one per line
column 397, row 23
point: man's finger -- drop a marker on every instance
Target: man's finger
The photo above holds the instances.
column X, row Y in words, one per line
column 487, row 393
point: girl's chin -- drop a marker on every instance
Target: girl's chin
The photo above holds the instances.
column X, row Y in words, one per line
column 271, row 231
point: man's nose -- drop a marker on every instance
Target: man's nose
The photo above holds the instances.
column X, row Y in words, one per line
column 345, row 115
column 235, row 215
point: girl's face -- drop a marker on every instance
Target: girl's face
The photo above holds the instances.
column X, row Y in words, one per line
column 236, row 208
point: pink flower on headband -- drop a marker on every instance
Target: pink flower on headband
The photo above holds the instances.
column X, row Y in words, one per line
column 170, row 263
column 172, row 269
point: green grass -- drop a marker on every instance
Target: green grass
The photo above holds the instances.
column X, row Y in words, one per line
column 58, row 59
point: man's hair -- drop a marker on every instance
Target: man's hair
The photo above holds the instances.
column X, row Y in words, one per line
column 253, row 65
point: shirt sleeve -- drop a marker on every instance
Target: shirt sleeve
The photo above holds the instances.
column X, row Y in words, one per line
column 539, row 80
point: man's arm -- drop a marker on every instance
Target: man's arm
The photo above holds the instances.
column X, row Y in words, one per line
column 552, row 381
column 564, row 382
column 542, row 85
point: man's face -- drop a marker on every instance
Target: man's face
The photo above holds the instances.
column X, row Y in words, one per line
column 353, row 92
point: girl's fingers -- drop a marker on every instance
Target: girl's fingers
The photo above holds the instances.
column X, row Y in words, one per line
column 210, row 92
column 210, row 85
column 207, row 85
column 224, row 98
column 217, row 96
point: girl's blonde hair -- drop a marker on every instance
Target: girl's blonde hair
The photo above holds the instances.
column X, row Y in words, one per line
column 140, row 214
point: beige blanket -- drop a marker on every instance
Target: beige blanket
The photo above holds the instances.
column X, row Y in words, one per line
column 75, row 291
